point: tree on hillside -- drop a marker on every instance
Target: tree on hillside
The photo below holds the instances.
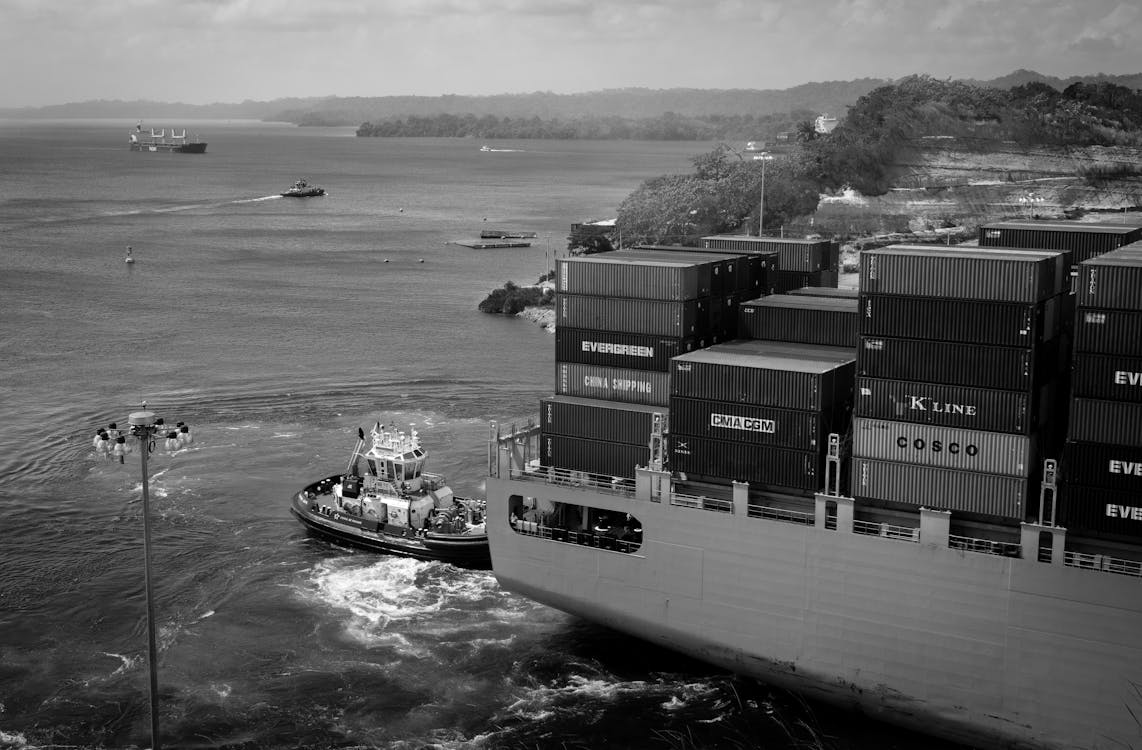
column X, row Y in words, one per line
column 722, row 195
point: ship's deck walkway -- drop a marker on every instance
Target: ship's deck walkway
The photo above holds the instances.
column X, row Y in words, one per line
column 518, row 465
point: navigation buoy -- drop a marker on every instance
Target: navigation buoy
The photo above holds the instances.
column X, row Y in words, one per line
column 422, row 260
column 386, row 260
column 400, row 210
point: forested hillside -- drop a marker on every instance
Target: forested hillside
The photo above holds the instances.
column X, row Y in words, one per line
column 1089, row 134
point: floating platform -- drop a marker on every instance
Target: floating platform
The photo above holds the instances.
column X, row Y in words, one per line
column 492, row 244
column 505, row 234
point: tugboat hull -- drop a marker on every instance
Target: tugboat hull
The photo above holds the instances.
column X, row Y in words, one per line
column 465, row 550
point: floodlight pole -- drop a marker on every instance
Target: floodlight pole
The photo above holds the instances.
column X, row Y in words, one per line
column 143, row 428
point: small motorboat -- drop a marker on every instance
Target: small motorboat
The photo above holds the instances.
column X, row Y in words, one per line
column 384, row 501
column 302, row 189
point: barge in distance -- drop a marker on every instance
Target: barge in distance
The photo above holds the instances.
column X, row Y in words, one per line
column 980, row 605
column 391, row 505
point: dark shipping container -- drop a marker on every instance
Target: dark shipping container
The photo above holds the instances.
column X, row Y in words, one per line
column 744, row 423
column 1017, row 412
column 612, row 384
column 592, row 456
column 1114, row 467
column 793, row 254
column 615, row 275
column 1103, row 331
column 1106, row 377
column 1113, row 280
column 968, row 321
column 938, row 488
column 783, row 282
column 1002, row 367
column 628, row 350
column 826, row 291
column 653, row 317
column 722, row 461
column 935, row 271
column 721, row 269
column 763, row 373
column 1100, row 512
column 737, row 274
column 1084, row 240
column 800, row 319
column 758, row 266
column 594, row 419
column 1111, row 422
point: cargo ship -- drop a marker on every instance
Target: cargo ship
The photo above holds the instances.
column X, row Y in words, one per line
column 923, row 503
column 175, row 143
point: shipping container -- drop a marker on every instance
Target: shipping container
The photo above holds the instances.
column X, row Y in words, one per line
column 948, row 447
column 1099, row 421
column 1084, row 240
column 968, row 321
column 1112, row 281
column 1115, row 467
column 976, row 365
column 783, row 282
column 1016, row 412
column 652, row 317
column 734, row 273
column 757, row 268
column 826, row 291
column 724, row 317
column 722, row 268
column 793, row 254
column 765, row 373
column 628, row 350
column 612, row 384
column 1100, row 512
column 938, row 488
column 592, row 456
column 1106, row 377
column 745, row 423
column 1104, row 331
column 609, row 421
column 723, row 461
column 615, row 275
column 800, row 319
column 935, row 271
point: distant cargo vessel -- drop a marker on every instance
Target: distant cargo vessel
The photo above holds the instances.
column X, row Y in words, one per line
column 178, row 143
column 861, row 501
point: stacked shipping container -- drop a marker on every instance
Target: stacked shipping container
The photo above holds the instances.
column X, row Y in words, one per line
column 1102, row 458
column 758, row 412
column 801, row 319
column 801, row 262
column 958, row 363
column 1081, row 239
column 620, row 318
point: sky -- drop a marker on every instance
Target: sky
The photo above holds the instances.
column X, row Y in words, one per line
column 206, row 51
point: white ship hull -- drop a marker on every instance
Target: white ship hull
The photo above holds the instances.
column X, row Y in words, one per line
column 994, row 650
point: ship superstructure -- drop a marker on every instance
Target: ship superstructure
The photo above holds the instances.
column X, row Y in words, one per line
column 958, row 587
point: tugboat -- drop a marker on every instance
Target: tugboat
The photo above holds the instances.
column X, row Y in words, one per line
column 302, row 189
column 395, row 506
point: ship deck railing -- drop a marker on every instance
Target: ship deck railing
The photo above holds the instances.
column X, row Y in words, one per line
column 570, row 478
column 754, row 510
column 1104, row 563
column 701, row 501
column 581, row 538
column 984, row 546
column 885, row 530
